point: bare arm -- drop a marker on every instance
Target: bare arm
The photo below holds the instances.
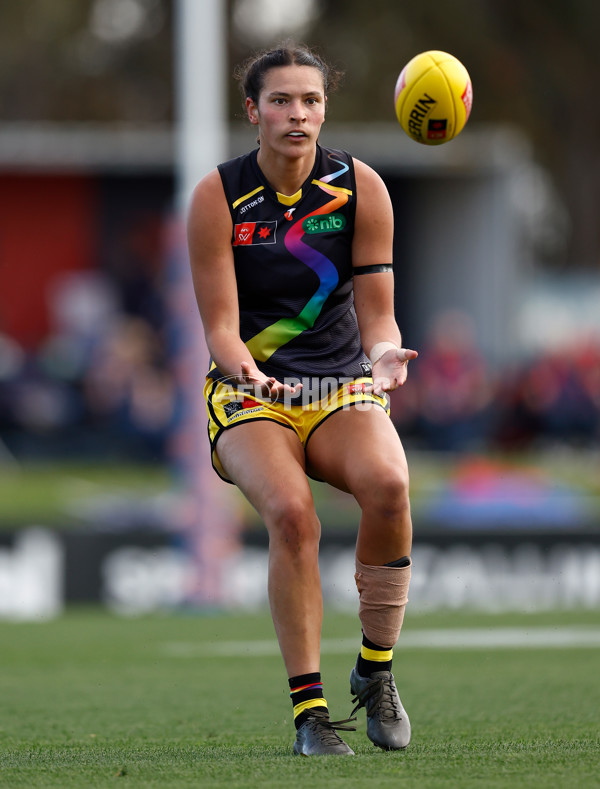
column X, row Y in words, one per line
column 211, row 258
column 374, row 293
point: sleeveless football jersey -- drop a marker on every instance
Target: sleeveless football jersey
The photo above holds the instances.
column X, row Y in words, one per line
column 293, row 263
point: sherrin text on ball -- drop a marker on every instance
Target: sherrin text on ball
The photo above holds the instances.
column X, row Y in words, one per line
column 433, row 97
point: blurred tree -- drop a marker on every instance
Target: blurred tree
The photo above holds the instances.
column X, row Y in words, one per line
column 555, row 60
column 86, row 60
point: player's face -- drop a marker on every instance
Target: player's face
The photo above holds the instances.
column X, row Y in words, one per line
column 290, row 109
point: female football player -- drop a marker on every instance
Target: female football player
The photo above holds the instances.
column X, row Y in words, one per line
column 291, row 253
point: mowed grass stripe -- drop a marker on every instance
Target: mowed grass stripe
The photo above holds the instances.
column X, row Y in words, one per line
column 455, row 638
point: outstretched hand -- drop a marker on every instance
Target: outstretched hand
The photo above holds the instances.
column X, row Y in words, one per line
column 267, row 386
column 391, row 370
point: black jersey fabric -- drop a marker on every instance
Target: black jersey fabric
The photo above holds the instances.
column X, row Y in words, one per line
column 293, row 264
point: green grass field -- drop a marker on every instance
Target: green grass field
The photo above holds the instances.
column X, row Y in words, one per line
column 63, row 494
column 90, row 700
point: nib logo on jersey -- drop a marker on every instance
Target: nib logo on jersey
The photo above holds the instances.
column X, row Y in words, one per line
column 252, row 233
column 324, row 224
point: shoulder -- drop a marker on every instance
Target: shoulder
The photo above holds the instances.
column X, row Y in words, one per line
column 208, row 193
column 367, row 177
column 215, row 183
column 208, row 212
column 372, row 196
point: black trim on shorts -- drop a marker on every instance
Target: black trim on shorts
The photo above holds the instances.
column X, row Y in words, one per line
column 213, row 449
column 209, row 402
column 376, row 268
column 340, row 408
column 223, row 428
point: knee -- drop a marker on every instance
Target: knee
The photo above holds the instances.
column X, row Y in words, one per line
column 293, row 525
column 387, row 489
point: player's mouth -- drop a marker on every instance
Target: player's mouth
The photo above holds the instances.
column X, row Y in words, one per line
column 296, row 135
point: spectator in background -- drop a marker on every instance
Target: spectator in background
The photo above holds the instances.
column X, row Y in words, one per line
column 553, row 398
column 135, row 265
column 454, row 391
column 586, row 363
column 129, row 388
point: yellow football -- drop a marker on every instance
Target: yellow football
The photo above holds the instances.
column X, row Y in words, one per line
column 433, row 97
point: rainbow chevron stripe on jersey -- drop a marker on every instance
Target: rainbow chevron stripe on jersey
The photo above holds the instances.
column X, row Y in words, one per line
column 293, row 265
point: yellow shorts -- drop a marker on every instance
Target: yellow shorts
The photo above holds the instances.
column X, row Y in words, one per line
column 228, row 407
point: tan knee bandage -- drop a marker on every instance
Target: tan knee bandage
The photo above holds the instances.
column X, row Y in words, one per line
column 383, row 594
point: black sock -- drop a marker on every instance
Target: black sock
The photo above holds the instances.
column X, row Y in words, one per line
column 306, row 692
column 373, row 657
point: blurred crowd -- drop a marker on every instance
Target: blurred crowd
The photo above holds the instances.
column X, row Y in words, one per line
column 454, row 400
column 102, row 385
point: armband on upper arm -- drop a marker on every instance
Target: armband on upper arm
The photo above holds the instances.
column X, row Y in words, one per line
column 377, row 268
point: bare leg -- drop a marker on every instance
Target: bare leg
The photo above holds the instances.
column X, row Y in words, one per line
column 360, row 452
column 266, row 462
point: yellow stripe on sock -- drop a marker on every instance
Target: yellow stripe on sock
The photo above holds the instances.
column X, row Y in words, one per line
column 375, row 654
column 308, row 705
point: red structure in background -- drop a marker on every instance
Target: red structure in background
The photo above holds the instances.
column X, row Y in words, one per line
column 47, row 227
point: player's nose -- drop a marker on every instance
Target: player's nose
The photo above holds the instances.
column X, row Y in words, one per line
column 297, row 111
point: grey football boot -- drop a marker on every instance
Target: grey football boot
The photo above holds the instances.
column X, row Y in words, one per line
column 318, row 737
column 388, row 725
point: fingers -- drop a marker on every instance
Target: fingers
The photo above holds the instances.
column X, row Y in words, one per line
column 384, row 384
column 404, row 355
column 278, row 388
column 408, row 354
column 399, row 356
column 381, row 385
column 270, row 386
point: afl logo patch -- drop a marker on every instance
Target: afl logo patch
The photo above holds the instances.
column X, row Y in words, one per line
column 252, row 233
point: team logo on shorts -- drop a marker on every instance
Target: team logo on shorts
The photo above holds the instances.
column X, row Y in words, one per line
column 366, row 369
column 234, row 409
column 231, row 408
